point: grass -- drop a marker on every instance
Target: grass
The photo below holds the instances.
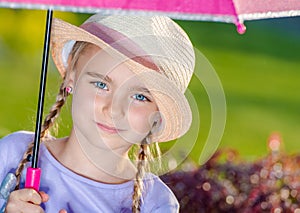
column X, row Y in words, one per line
column 259, row 72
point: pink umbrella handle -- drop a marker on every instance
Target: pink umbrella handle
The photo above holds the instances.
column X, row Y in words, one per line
column 33, row 177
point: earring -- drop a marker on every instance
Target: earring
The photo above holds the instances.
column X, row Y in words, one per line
column 69, row 90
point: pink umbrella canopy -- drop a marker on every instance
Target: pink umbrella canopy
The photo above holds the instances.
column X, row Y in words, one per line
column 229, row 11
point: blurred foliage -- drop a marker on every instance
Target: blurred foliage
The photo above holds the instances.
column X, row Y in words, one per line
column 228, row 184
column 259, row 72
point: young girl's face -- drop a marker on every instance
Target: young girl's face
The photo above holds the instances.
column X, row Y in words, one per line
column 111, row 107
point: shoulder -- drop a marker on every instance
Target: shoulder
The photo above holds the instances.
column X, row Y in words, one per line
column 159, row 197
column 12, row 148
column 16, row 140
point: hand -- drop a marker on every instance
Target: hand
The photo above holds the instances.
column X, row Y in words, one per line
column 26, row 200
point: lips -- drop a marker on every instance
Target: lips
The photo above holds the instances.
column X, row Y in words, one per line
column 108, row 129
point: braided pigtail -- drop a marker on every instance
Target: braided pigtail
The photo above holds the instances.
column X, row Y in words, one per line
column 55, row 109
column 144, row 157
column 138, row 182
column 22, row 164
column 48, row 122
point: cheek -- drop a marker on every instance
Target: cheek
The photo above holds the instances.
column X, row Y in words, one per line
column 140, row 119
column 83, row 101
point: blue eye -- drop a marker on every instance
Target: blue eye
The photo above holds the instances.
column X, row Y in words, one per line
column 140, row 97
column 100, row 85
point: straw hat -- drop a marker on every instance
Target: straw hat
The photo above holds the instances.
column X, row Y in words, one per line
column 155, row 48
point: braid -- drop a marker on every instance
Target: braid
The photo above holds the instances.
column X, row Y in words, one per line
column 54, row 111
column 48, row 122
column 142, row 166
column 22, row 164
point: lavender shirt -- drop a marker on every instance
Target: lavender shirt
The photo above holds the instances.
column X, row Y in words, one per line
column 75, row 193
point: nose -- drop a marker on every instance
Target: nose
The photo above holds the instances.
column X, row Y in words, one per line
column 112, row 106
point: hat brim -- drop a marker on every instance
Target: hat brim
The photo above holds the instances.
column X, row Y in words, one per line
column 171, row 102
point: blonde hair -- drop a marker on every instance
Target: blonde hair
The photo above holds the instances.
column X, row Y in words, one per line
column 144, row 155
column 51, row 117
column 48, row 122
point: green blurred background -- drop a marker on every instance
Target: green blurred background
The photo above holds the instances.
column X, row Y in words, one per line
column 259, row 71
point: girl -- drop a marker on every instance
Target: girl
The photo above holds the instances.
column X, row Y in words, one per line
column 127, row 76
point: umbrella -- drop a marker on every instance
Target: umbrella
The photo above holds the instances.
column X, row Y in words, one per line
column 229, row 11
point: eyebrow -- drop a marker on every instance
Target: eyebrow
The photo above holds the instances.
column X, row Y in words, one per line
column 140, row 89
column 98, row 75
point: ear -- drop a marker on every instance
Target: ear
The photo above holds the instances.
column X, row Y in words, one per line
column 70, row 75
column 157, row 122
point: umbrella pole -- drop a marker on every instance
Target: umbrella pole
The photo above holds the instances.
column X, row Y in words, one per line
column 33, row 172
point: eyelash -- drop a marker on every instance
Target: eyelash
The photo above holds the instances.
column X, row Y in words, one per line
column 103, row 86
column 135, row 96
column 100, row 85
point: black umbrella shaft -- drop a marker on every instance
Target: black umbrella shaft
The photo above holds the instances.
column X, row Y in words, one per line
column 42, row 90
